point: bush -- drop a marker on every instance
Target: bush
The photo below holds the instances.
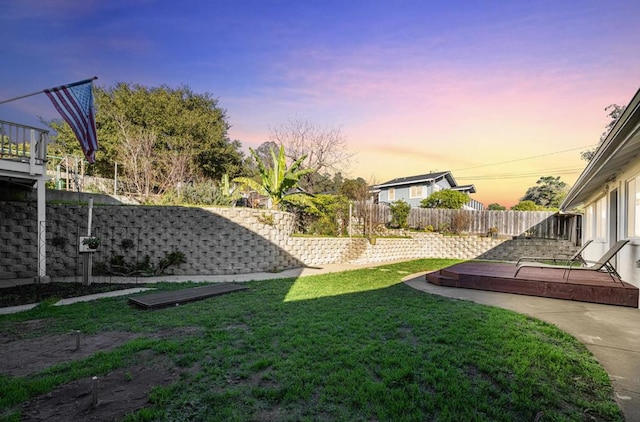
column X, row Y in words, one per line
column 199, row 193
column 526, row 206
column 460, row 222
column 400, row 214
column 449, row 199
column 329, row 217
column 169, row 259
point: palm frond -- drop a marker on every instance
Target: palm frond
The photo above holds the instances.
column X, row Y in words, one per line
column 251, row 184
column 301, row 199
column 278, row 180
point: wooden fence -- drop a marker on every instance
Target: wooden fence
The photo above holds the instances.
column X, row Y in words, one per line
column 541, row 224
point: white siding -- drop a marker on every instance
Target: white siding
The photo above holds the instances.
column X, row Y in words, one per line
column 391, row 195
column 416, row 191
column 628, row 185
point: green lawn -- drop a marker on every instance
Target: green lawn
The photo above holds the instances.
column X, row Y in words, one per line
column 351, row 346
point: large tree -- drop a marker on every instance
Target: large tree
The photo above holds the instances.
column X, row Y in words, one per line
column 324, row 149
column 615, row 111
column 356, row 189
column 549, row 192
column 163, row 135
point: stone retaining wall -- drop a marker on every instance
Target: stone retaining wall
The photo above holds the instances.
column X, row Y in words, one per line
column 218, row 241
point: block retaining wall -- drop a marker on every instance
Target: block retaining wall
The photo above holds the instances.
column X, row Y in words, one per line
column 218, row 241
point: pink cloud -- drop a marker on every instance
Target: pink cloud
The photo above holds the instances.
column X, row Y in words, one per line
column 407, row 110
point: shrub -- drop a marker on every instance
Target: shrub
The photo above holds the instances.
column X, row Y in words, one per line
column 329, row 217
column 526, row 206
column 450, row 199
column 460, row 222
column 400, row 214
column 169, row 259
column 200, row 193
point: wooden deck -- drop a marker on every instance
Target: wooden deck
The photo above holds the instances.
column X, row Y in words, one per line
column 582, row 286
column 175, row 297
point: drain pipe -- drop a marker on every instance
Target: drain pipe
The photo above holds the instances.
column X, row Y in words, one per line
column 86, row 257
column 90, row 216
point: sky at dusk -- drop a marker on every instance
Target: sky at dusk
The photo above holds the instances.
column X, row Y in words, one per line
column 499, row 92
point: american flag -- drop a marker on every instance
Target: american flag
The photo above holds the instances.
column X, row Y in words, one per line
column 74, row 102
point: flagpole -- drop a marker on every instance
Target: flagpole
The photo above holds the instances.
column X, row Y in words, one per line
column 40, row 92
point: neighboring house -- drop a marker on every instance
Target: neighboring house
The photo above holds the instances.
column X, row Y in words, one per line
column 23, row 152
column 608, row 190
column 414, row 189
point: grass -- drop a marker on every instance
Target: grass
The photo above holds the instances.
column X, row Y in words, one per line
column 353, row 346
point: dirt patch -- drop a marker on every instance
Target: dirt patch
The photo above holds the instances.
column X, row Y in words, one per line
column 23, row 357
column 34, row 293
column 118, row 393
column 22, row 329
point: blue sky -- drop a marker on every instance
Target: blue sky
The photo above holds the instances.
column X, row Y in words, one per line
column 478, row 88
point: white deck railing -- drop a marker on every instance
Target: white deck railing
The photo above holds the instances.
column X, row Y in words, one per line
column 23, row 143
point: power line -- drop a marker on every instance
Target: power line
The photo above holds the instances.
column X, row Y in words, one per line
column 523, row 175
column 523, row 159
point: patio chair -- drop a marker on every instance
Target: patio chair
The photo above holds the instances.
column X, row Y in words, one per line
column 568, row 260
column 602, row 265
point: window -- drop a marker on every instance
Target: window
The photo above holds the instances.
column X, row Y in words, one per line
column 391, row 195
column 595, row 221
column 589, row 222
column 633, row 207
column 415, row 192
column 601, row 217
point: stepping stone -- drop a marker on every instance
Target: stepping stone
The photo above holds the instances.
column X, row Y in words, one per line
column 176, row 297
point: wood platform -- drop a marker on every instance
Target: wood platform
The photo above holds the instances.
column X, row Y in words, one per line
column 175, row 297
column 582, row 286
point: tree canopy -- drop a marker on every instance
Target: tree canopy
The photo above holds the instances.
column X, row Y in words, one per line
column 526, row 206
column 615, row 111
column 159, row 136
column 448, row 198
column 355, row 189
column 324, row 149
column 549, row 192
column 496, row 207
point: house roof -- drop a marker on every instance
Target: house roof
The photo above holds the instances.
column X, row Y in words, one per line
column 465, row 188
column 421, row 178
column 620, row 148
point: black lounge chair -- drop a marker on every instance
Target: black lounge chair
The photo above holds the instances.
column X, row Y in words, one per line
column 568, row 260
column 602, row 265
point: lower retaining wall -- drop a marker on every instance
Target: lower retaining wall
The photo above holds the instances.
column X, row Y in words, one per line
column 217, row 241
column 435, row 245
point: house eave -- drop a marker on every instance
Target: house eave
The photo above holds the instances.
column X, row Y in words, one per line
column 619, row 148
column 463, row 188
column 413, row 182
column 410, row 181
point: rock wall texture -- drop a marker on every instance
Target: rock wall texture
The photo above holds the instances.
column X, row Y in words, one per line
column 216, row 241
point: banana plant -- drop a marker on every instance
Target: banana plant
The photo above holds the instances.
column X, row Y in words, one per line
column 230, row 193
column 279, row 182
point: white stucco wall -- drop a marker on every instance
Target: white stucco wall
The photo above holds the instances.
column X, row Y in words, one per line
column 630, row 254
